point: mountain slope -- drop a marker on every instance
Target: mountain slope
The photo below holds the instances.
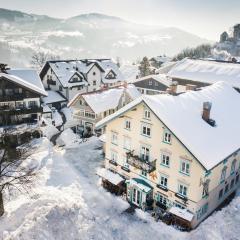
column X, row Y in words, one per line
column 88, row 35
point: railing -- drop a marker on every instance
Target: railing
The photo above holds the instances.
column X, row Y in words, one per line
column 137, row 162
column 14, row 97
column 51, row 82
column 21, row 110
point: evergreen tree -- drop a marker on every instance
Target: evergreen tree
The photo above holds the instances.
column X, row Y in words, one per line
column 144, row 67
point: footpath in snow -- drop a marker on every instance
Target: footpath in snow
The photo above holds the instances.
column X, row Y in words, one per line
column 67, row 202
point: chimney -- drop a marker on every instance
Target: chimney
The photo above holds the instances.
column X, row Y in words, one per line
column 206, row 111
column 173, row 88
column 191, row 87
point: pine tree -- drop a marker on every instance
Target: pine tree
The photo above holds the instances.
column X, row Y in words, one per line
column 144, row 67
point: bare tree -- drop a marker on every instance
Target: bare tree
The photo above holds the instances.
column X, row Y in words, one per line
column 39, row 58
column 14, row 174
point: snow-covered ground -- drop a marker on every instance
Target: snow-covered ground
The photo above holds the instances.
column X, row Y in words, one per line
column 67, row 202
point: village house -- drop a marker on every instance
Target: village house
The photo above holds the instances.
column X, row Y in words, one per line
column 191, row 74
column 152, row 84
column 20, row 94
column 89, row 108
column 70, row 77
column 180, row 153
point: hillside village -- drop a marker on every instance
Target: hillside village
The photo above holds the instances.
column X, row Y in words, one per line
column 90, row 149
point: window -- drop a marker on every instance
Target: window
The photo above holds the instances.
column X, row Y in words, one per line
column 114, row 156
column 182, row 190
column 147, row 114
column 156, row 84
column 150, row 82
column 125, row 163
column 167, row 137
column 232, row 184
column 202, row 211
column 114, row 138
column 185, row 167
column 94, row 73
column 226, row 188
column 60, row 88
column 127, row 124
column 32, row 104
column 80, row 87
column 165, row 160
column 127, row 143
column 94, row 82
column 223, row 174
column 162, row 199
column 80, row 102
column 163, row 181
column 144, row 173
column 145, row 153
column 220, row 194
column 146, row 130
column 233, row 166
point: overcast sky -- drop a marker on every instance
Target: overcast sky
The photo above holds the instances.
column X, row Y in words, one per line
column 206, row 18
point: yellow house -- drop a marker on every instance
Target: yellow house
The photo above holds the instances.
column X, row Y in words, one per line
column 181, row 153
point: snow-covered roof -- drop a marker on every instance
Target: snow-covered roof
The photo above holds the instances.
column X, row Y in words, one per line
column 182, row 213
column 161, row 78
column 53, row 97
column 132, row 91
column 182, row 116
column 46, row 109
column 65, row 70
column 101, row 101
column 28, row 78
column 207, row 71
column 161, row 59
column 114, row 178
column 141, row 184
column 129, row 72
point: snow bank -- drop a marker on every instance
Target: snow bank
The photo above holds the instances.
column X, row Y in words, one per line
column 68, row 138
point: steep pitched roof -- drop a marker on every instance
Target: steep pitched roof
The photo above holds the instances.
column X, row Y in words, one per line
column 182, row 116
column 65, row 69
column 101, row 101
column 27, row 78
column 207, row 71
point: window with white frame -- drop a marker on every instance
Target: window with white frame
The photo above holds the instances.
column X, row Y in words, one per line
column 233, row 166
column 114, row 156
column 127, row 143
column 147, row 114
column 150, row 82
column 167, row 137
column 182, row 189
column 185, row 167
column 223, row 174
column 114, row 138
column 145, row 153
column 163, row 181
column 146, row 130
column 165, row 159
column 125, row 163
column 127, row 124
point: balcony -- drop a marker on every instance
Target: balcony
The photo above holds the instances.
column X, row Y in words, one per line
column 51, row 82
column 137, row 162
column 4, row 110
column 14, row 97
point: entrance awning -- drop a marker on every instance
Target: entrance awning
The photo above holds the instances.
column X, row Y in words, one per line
column 113, row 178
column 141, row 184
column 181, row 213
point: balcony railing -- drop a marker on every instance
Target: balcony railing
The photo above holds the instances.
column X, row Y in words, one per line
column 51, row 82
column 21, row 110
column 14, row 97
column 137, row 162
